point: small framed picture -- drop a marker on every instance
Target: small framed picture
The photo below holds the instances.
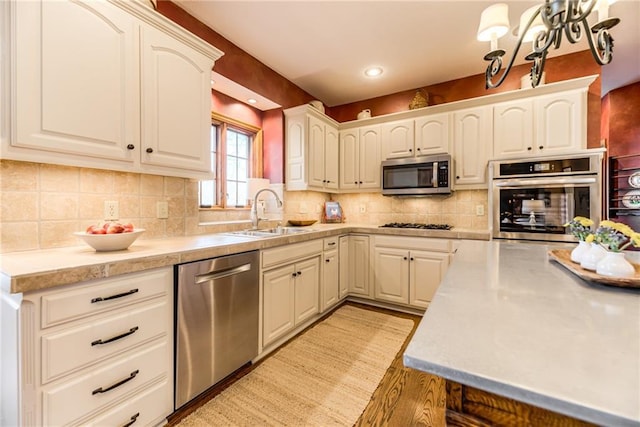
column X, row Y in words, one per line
column 332, row 212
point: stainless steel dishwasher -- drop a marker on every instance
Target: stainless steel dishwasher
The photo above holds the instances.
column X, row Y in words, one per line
column 216, row 321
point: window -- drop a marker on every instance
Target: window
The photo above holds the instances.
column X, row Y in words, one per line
column 236, row 156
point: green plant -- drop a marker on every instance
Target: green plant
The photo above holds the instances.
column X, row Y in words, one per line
column 616, row 236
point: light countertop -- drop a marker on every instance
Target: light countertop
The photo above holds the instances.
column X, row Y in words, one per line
column 508, row 320
column 42, row 269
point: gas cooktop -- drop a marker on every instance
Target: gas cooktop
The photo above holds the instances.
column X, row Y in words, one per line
column 417, row 225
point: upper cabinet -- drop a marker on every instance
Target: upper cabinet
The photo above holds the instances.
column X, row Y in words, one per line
column 104, row 84
column 542, row 125
column 360, row 158
column 311, row 141
column 421, row 136
column 471, row 143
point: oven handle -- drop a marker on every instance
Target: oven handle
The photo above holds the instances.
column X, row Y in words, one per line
column 542, row 181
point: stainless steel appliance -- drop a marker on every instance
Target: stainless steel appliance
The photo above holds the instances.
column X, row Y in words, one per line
column 532, row 199
column 417, row 176
column 216, row 321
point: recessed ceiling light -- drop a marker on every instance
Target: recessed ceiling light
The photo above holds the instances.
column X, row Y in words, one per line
column 251, row 101
column 373, row 71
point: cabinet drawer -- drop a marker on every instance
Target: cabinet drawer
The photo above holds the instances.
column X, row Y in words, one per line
column 330, row 243
column 101, row 295
column 421, row 243
column 85, row 394
column 73, row 348
column 149, row 407
column 273, row 257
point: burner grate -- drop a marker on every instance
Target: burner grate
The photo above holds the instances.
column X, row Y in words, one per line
column 417, row 225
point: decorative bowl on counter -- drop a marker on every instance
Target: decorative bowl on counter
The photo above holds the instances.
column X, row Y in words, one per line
column 302, row 222
column 110, row 242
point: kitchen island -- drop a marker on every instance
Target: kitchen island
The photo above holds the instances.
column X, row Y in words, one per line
column 509, row 321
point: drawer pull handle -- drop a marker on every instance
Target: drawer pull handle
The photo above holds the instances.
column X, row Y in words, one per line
column 331, row 243
column 124, row 294
column 118, row 384
column 132, row 420
column 116, row 338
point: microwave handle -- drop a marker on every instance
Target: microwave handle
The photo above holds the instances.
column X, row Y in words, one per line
column 434, row 179
column 542, row 181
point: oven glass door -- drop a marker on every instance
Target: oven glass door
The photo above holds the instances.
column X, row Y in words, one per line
column 408, row 176
column 539, row 212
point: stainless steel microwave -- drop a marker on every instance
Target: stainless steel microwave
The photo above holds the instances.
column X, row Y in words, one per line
column 417, row 176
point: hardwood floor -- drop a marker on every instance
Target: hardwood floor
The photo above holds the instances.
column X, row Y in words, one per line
column 404, row 397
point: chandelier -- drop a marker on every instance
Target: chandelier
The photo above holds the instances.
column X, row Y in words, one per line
column 544, row 26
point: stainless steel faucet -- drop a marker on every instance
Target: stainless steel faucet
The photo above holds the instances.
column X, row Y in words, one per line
column 254, row 208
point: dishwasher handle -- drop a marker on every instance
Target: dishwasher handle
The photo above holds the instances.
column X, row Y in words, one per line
column 214, row 275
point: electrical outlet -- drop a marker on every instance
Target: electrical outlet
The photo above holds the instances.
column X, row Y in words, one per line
column 363, row 208
column 479, row 210
column 162, row 210
column 111, row 210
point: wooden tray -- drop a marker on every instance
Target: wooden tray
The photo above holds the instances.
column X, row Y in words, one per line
column 563, row 256
column 299, row 222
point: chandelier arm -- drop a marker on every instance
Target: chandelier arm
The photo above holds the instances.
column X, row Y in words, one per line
column 549, row 36
column 573, row 32
column 584, row 12
column 605, row 44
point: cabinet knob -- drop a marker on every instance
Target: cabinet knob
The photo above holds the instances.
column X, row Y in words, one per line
column 529, row 148
column 404, row 258
column 457, row 176
column 410, row 150
column 411, row 259
column 294, row 274
column 327, row 260
column 418, row 149
column 299, row 273
column 324, row 180
column 149, row 150
column 355, row 182
column 130, row 147
column 360, row 182
column 541, row 147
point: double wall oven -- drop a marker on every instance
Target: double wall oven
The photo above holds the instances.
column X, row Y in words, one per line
column 532, row 199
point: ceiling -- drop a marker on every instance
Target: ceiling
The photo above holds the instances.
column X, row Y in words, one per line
column 324, row 46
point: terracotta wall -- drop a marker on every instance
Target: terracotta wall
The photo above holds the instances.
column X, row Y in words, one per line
column 230, row 107
column 621, row 120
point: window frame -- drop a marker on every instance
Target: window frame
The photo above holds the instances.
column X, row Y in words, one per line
column 224, row 123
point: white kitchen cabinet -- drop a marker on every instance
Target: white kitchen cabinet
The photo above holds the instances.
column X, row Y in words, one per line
column 330, row 285
column 408, row 271
column 290, row 287
column 543, row 125
column 398, row 139
column 90, row 353
column 355, row 266
column 360, row 158
column 432, row 134
column 472, row 144
column 95, row 86
column 561, row 122
column 311, row 141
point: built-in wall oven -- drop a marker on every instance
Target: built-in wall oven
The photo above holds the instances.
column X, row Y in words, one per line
column 532, row 199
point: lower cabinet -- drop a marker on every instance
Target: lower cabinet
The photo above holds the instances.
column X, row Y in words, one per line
column 330, row 289
column 93, row 353
column 406, row 275
column 355, row 265
column 290, row 296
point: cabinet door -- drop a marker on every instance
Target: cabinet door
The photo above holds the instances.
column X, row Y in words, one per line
column 472, row 138
column 278, row 307
column 426, row 270
column 513, row 129
column 176, row 103
column 432, row 134
column 561, row 122
column 307, row 287
column 359, row 265
column 370, row 157
column 315, row 129
column 398, row 139
column 330, row 279
column 349, row 159
column 391, row 274
column 76, row 79
column 295, row 134
column 344, row 267
column 331, row 156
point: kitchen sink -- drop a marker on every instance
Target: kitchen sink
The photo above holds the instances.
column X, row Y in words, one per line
column 269, row 232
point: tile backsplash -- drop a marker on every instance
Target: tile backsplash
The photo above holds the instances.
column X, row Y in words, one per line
column 41, row 206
